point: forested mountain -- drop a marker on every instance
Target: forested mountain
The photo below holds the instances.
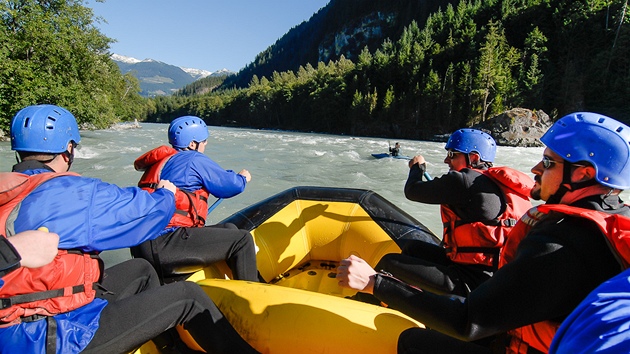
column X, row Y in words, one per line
column 343, row 27
column 404, row 68
column 156, row 78
column 435, row 71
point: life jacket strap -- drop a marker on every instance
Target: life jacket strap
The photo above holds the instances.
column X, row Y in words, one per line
column 494, row 222
column 493, row 251
column 148, row 185
column 200, row 220
column 42, row 295
column 51, row 335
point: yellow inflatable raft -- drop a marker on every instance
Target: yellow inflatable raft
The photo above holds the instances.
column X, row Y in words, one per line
column 301, row 235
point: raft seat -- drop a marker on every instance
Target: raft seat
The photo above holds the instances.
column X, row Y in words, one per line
column 301, row 245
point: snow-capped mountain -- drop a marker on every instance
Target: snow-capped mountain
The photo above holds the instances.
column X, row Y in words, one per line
column 124, row 59
column 158, row 78
column 198, row 73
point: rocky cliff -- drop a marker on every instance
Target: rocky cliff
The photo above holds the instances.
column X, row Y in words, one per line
column 517, row 127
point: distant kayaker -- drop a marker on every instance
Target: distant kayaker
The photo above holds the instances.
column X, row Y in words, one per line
column 479, row 205
column 554, row 257
column 187, row 244
column 71, row 305
column 395, row 151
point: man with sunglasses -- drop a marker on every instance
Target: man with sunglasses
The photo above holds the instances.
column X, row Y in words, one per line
column 479, row 205
column 71, row 304
column 576, row 241
column 187, row 244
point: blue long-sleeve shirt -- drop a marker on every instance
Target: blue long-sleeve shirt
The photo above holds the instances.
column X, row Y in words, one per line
column 191, row 170
column 90, row 215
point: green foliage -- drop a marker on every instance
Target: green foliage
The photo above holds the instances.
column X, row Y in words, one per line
column 51, row 52
column 494, row 82
column 201, row 86
column 455, row 67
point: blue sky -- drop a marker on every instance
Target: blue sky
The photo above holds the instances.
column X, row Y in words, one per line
column 200, row 34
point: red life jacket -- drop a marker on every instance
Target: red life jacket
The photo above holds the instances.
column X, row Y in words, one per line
column 63, row 285
column 480, row 242
column 518, row 232
column 191, row 208
column 615, row 227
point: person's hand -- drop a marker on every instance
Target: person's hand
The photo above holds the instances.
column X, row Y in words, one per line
column 418, row 159
column 37, row 248
column 246, row 174
column 354, row 273
column 164, row 183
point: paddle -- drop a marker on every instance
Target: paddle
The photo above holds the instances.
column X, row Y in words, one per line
column 426, row 175
column 214, row 205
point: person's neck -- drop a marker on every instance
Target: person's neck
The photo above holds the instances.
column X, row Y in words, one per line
column 573, row 196
column 31, row 165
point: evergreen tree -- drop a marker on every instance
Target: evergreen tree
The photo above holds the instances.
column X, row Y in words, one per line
column 494, row 82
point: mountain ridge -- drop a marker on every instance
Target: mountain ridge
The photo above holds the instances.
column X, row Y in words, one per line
column 157, row 78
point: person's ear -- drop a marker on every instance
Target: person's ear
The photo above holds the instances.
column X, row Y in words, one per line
column 69, row 151
column 474, row 158
column 584, row 173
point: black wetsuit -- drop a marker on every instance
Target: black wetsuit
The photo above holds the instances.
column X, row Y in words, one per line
column 559, row 262
column 473, row 197
column 176, row 255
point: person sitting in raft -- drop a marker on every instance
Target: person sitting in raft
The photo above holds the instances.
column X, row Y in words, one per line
column 71, row 305
column 572, row 246
column 395, row 151
column 186, row 242
column 480, row 204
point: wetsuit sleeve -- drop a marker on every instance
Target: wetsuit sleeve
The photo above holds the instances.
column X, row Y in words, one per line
column 445, row 313
column 447, row 189
column 9, row 257
column 554, row 269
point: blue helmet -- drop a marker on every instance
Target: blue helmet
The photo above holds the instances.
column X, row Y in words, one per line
column 43, row 128
column 599, row 140
column 473, row 140
column 185, row 129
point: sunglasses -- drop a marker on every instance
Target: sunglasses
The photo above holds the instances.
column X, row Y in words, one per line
column 451, row 153
column 547, row 162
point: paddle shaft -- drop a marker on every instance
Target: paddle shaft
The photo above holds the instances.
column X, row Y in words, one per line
column 214, row 205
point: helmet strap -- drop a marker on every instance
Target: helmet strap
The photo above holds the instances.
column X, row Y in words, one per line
column 567, row 171
column 70, row 156
column 480, row 165
column 467, row 160
column 189, row 148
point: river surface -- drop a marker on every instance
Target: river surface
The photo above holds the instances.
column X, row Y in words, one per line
column 277, row 160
